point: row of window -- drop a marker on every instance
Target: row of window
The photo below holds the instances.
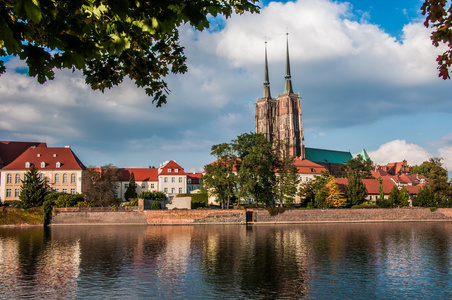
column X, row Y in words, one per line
column 173, row 190
column 17, row 192
column 9, row 178
column 173, row 179
column 143, row 185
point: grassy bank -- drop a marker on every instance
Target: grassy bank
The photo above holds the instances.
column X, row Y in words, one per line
column 18, row 216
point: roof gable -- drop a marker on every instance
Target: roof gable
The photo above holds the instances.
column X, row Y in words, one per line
column 171, row 168
column 9, row 150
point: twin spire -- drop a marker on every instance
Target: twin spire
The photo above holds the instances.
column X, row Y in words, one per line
column 288, row 77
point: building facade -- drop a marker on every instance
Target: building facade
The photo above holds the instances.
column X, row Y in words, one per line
column 280, row 119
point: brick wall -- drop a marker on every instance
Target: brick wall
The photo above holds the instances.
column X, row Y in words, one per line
column 199, row 216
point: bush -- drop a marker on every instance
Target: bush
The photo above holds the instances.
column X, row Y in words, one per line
column 132, row 202
column 273, row 210
column 84, row 204
column 152, row 195
column 156, row 205
column 11, row 203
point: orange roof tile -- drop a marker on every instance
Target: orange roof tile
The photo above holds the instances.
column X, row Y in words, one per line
column 175, row 168
column 48, row 155
column 9, row 151
column 140, row 174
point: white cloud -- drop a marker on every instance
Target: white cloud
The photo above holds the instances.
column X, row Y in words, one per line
column 446, row 154
column 398, row 150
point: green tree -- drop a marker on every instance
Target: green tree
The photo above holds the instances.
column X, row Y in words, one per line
column 34, row 188
column 219, row 179
column 358, row 166
column 437, row 175
column 334, row 198
column 306, row 193
column 100, row 185
column 313, row 193
column 287, row 177
column 107, row 40
column 131, row 189
column 426, row 197
column 381, row 201
column 404, row 197
column 394, row 196
column 356, row 191
column 256, row 167
column 439, row 17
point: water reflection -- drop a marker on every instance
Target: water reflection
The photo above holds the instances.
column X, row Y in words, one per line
column 317, row 261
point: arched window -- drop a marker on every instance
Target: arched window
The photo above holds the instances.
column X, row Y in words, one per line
column 9, row 178
column 73, row 178
column 17, row 178
column 64, row 178
column 57, row 178
column 41, row 176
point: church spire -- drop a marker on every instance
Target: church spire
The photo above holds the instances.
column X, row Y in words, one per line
column 267, row 93
column 288, row 81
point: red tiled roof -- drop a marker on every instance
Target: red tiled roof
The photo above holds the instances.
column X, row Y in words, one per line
column 9, row 151
column 173, row 166
column 305, row 166
column 50, row 156
column 195, row 177
column 234, row 167
column 372, row 185
column 140, row 174
column 379, row 173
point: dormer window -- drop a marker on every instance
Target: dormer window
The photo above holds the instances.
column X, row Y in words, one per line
column 58, row 164
column 27, row 164
column 169, row 170
column 43, row 165
column 177, row 170
column 38, row 155
column 54, row 155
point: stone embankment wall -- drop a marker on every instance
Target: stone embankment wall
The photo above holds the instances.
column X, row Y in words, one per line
column 255, row 216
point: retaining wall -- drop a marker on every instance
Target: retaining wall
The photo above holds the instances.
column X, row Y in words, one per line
column 255, row 216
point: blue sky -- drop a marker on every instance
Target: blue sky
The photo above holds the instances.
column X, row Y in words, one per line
column 365, row 70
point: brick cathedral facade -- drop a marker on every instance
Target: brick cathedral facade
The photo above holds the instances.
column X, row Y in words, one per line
column 280, row 119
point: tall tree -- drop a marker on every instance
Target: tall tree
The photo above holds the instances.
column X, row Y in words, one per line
column 394, row 196
column 357, row 165
column 312, row 191
column 131, row 191
column 33, row 189
column 334, row 198
column 100, row 185
column 287, row 177
column 439, row 16
column 256, row 168
column 437, row 175
column 107, row 40
column 356, row 191
column 219, row 179
column 426, row 197
column 404, row 197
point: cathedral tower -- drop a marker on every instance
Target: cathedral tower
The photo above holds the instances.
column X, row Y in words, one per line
column 280, row 119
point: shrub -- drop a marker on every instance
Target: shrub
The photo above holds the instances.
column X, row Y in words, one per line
column 156, row 205
column 11, row 203
column 132, row 202
column 273, row 210
column 84, row 204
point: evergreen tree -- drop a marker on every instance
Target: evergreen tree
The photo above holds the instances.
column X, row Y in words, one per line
column 425, row 197
column 131, row 189
column 356, row 191
column 404, row 197
column 33, row 189
column 394, row 196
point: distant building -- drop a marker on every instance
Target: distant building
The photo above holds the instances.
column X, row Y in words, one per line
column 193, row 181
column 332, row 160
column 59, row 165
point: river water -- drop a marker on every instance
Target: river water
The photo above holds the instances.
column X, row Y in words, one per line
column 315, row 261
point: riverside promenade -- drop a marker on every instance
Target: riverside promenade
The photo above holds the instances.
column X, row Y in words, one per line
column 107, row 216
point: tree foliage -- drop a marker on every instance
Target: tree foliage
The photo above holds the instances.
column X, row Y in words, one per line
column 439, row 17
column 312, row 193
column 33, row 189
column 154, row 195
column 107, row 40
column 426, row 197
column 287, row 177
column 356, row 191
column 334, row 197
column 394, row 196
column 131, row 189
column 437, row 175
column 404, row 197
column 100, row 185
column 358, row 166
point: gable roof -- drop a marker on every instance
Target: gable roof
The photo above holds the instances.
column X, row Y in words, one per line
column 327, row 156
column 140, row 174
column 195, row 177
column 164, row 169
column 50, row 156
column 305, row 166
column 372, row 185
column 9, row 150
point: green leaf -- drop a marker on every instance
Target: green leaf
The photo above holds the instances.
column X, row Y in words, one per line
column 32, row 10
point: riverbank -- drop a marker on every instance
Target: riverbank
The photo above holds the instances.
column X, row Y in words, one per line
column 77, row 216
column 12, row 216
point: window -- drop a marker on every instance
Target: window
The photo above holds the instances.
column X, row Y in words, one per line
column 57, row 178
column 173, row 179
column 189, row 181
column 166, row 179
column 307, row 178
column 43, row 165
column 180, row 190
column 64, row 178
column 166, row 190
column 177, row 170
column 64, row 190
column 143, row 185
column 58, row 164
column 8, row 193
column 172, row 190
column 169, row 170
column 180, row 179
column 41, row 176
column 17, row 178
column 72, row 191
column 9, row 178
column 126, row 185
column 27, row 164
column 16, row 192
column 73, row 178
column 152, row 185
column 57, row 190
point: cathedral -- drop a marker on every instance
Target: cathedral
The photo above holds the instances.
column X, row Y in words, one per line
column 280, row 119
